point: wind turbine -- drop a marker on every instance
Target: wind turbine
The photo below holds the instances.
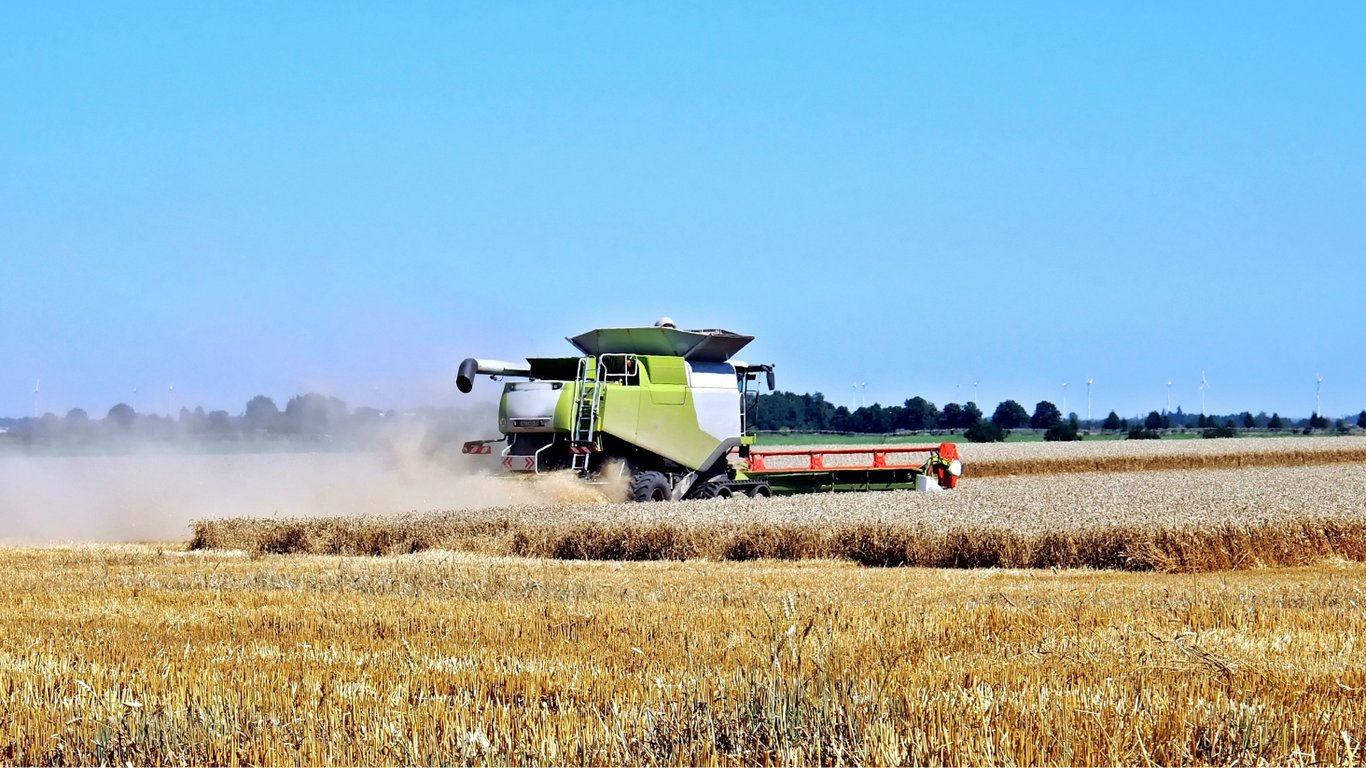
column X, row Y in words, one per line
column 974, row 393
column 170, row 393
column 1089, row 382
column 1204, row 385
column 1169, row 395
column 36, row 383
column 1318, row 398
column 858, row 387
column 1064, row 398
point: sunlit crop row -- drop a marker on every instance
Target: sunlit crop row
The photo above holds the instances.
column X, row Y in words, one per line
column 1184, row 520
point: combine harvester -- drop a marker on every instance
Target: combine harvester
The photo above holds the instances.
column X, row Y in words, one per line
column 671, row 408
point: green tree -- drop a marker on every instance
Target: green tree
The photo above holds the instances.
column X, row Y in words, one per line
column 121, row 416
column 220, row 423
column 1249, row 421
column 1153, row 422
column 1112, row 423
column 1275, row 423
column 316, row 415
column 952, row 417
column 1045, row 415
column 917, row 414
column 971, row 414
column 985, row 432
column 262, row 415
column 1065, row 432
column 1010, row 415
column 1361, row 420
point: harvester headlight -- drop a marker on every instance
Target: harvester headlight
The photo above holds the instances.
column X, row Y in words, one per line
column 956, row 468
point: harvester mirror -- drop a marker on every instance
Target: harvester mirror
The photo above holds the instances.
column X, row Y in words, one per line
column 771, row 380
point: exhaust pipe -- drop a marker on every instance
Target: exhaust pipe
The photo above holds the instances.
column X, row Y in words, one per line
column 471, row 367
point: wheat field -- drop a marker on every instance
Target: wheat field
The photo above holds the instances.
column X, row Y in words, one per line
column 134, row 654
column 572, row 630
column 1179, row 520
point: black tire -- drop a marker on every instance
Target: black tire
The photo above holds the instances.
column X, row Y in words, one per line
column 650, row 486
column 761, row 491
column 703, row 491
column 711, row 490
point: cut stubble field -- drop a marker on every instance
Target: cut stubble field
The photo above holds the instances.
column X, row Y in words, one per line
column 527, row 632
column 131, row 654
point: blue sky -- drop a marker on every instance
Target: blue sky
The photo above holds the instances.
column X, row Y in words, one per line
column 243, row 198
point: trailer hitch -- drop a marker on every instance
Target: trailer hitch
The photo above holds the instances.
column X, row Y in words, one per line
column 481, row 447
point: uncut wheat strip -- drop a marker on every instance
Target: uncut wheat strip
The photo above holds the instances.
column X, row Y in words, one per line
column 1023, row 514
column 1024, row 503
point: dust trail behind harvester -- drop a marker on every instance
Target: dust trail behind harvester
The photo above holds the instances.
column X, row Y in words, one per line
column 154, row 493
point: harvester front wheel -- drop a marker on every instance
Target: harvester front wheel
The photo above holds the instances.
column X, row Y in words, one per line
column 650, row 486
column 761, row 491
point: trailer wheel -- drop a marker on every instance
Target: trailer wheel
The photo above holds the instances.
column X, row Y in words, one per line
column 650, row 486
column 761, row 491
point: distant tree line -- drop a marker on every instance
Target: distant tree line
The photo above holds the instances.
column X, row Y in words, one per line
column 788, row 411
column 315, row 417
column 310, row 416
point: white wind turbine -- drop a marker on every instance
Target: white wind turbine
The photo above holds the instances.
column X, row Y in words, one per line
column 36, row 384
column 1064, row 398
column 1318, row 397
column 1169, row 395
column 858, row 388
column 1204, row 385
column 1089, row 382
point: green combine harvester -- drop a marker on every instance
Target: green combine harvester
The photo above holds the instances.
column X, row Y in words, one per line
column 670, row 407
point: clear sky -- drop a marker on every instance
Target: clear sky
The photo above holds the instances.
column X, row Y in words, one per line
column 241, row 198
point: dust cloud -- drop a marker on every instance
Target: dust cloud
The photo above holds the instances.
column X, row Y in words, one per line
column 154, row 494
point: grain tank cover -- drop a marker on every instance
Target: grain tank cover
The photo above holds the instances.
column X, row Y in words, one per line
column 704, row 346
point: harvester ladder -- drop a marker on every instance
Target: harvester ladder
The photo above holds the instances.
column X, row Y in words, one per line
column 587, row 400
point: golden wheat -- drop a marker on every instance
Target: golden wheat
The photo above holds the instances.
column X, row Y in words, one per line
column 1184, row 520
column 133, row 655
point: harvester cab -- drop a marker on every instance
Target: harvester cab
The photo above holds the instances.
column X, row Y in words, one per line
column 670, row 407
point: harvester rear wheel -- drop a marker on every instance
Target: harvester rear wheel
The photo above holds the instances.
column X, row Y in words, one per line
column 650, row 486
column 761, row 491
